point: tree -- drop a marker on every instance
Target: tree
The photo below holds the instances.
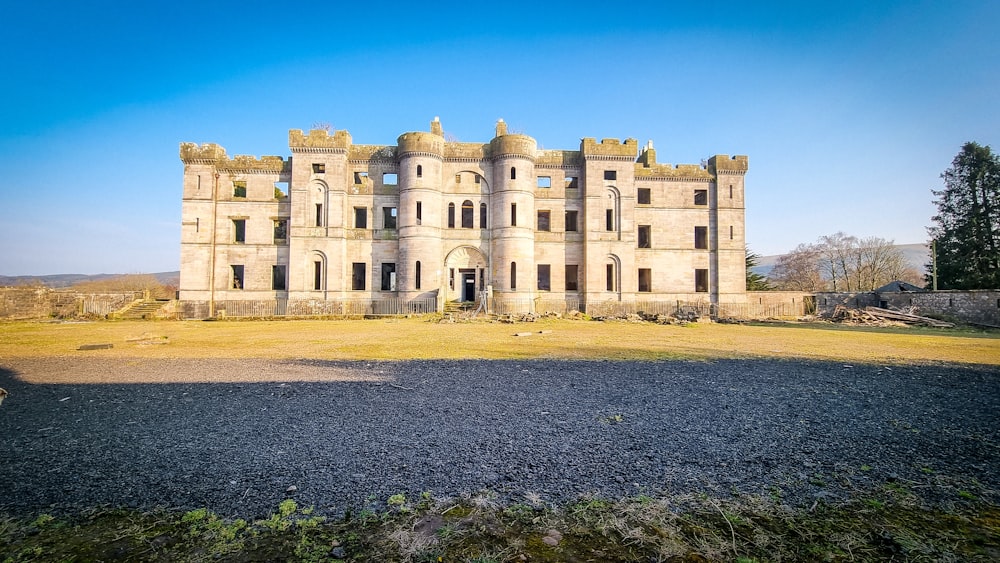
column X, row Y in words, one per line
column 755, row 281
column 799, row 270
column 841, row 262
column 967, row 225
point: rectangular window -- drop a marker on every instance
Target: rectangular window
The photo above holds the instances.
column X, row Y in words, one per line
column 701, row 280
column 237, row 276
column 513, row 215
column 701, row 238
column 609, row 219
column 730, row 232
column 319, row 168
column 645, row 280
column 390, row 179
column 610, row 175
column 318, row 275
column 572, row 277
column 388, row 276
column 360, row 177
column 451, row 215
column 645, row 236
column 239, row 230
column 239, row 188
column 482, row 215
column 572, row 182
column 420, row 213
column 360, row 217
column 458, row 178
column 544, row 221
column 319, row 214
column 544, row 181
column 609, row 271
column 278, row 278
column 417, row 276
column 280, row 231
column 478, row 178
column 701, row 197
column 358, row 270
column 544, row 273
column 645, row 196
column 388, row 217
column 280, row 190
column 571, row 221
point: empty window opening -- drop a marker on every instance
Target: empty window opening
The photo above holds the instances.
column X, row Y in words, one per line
column 278, row 278
column 390, row 179
column 701, row 238
column 482, row 278
column 239, row 230
column 544, row 220
column 468, row 213
column 318, row 275
column 280, row 190
column 572, row 277
column 239, row 188
column 360, row 217
column 389, row 217
column 280, row 231
column 645, row 196
column 571, row 216
column 420, row 171
column 513, row 173
column 482, row 215
column 451, row 215
column 572, row 182
column 319, row 214
column 544, row 274
column 731, row 232
column 645, row 280
column 951, row 302
column 416, row 277
column 701, row 280
column 477, row 178
column 319, row 168
column 420, row 213
column 609, row 271
column 388, row 276
column 358, row 270
column 645, row 236
column 609, row 219
column 544, row 181
column 197, row 225
column 513, row 215
column 701, row 197
column 458, row 178
column 360, row 177
column 610, row 175
column 730, row 191
column 237, row 276
column 883, row 304
column 513, row 275
column 451, row 278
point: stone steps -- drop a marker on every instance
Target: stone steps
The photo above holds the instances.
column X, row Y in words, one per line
column 139, row 310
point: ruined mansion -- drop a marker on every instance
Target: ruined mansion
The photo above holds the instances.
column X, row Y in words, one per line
column 503, row 226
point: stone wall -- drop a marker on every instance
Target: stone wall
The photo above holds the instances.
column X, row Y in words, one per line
column 979, row 306
column 43, row 302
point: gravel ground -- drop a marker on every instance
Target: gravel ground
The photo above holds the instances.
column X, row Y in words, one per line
column 348, row 435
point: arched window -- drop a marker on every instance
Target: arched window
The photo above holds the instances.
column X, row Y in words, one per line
column 513, row 275
column 482, row 215
column 420, row 171
column 468, row 211
column 513, row 173
column 417, row 276
column 451, row 215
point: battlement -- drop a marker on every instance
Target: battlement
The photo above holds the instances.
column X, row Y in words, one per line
column 558, row 158
column 213, row 154
column 318, row 140
column 209, row 153
column 513, row 145
column 737, row 164
column 372, row 152
column 465, row 151
column 685, row 171
column 609, row 148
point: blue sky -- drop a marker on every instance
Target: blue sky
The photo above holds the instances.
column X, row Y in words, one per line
column 849, row 111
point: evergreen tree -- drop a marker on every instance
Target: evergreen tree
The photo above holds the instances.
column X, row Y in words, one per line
column 967, row 225
column 755, row 281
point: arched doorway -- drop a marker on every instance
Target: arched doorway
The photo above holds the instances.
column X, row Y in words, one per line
column 465, row 268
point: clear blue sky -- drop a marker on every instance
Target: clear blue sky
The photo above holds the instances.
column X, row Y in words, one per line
column 848, row 110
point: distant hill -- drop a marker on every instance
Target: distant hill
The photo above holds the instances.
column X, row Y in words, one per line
column 67, row 280
column 916, row 255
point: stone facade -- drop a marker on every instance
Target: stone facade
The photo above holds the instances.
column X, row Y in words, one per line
column 429, row 221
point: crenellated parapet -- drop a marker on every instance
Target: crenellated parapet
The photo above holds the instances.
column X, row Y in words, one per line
column 609, row 149
column 724, row 164
column 319, row 141
column 213, row 155
column 372, row 153
column 559, row 159
column 513, row 145
column 668, row 172
column 465, row 152
column 420, row 143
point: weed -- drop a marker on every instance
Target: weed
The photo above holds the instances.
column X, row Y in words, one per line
column 966, row 495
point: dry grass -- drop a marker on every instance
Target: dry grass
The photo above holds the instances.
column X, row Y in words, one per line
column 421, row 338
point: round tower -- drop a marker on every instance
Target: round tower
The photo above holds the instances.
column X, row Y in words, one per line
column 420, row 157
column 513, row 209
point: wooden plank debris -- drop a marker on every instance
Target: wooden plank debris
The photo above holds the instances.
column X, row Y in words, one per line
column 907, row 318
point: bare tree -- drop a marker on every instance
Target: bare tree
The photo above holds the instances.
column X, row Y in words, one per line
column 127, row 283
column 842, row 262
column 799, row 270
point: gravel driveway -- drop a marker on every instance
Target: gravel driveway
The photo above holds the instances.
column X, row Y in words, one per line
column 350, row 434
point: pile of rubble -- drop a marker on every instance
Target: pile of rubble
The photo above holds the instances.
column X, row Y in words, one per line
column 876, row 316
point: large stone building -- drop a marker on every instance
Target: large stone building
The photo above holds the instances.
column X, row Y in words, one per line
column 340, row 227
